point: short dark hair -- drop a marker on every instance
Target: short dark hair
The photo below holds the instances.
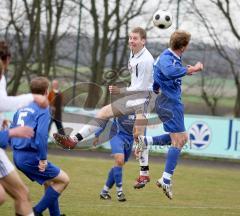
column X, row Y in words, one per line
column 179, row 39
column 4, row 50
column 39, row 85
column 141, row 32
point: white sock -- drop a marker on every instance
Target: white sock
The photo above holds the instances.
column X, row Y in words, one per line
column 119, row 189
column 87, row 130
column 167, row 176
column 143, row 160
column 144, row 173
column 31, row 214
column 106, row 188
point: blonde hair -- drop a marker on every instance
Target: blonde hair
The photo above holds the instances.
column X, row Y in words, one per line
column 141, row 32
column 179, row 39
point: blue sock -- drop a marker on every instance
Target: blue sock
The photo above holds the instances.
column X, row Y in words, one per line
column 47, row 200
column 164, row 139
column 171, row 162
column 54, row 209
column 117, row 172
column 110, row 181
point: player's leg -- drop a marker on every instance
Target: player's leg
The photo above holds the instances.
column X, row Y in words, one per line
column 54, row 188
column 117, row 174
column 162, row 140
column 2, row 195
column 59, row 127
column 101, row 118
column 14, row 186
column 178, row 141
column 108, row 185
column 114, row 109
column 118, row 144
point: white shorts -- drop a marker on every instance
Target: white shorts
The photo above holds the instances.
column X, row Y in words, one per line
column 6, row 165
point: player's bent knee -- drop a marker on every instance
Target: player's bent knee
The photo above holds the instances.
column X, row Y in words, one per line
column 103, row 113
column 120, row 162
column 64, row 178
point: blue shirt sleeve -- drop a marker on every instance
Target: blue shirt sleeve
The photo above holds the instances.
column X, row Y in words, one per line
column 172, row 70
column 4, row 138
column 41, row 140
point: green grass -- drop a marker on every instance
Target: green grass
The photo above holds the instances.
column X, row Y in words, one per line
column 198, row 191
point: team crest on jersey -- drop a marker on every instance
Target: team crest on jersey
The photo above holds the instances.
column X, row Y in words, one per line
column 199, row 135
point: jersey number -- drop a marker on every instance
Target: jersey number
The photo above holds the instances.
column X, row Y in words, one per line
column 20, row 118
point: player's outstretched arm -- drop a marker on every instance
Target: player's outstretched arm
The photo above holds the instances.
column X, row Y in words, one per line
column 194, row 69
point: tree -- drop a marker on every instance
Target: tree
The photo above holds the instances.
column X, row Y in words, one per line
column 108, row 29
column 34, row 29
column 229, row 14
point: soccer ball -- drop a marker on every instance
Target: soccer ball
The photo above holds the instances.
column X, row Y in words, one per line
column 162, row 19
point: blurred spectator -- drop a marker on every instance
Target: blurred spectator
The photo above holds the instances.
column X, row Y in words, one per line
column 55, row 98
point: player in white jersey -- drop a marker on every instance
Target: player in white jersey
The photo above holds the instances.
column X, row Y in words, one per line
column 134, row 97
column 9, row 179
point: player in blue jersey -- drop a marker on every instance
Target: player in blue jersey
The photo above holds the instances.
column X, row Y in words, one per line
column 121, row 141
column 168, row 71
column 30, row 155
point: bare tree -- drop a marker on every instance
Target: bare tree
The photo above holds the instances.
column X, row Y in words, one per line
column 34, row 29
column 228, row 10
column 108, row 28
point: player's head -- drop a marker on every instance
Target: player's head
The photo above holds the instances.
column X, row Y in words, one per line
column 55, row 84
column 5, row 54
column 179, row 40
column 39, row 85
column 137, row 39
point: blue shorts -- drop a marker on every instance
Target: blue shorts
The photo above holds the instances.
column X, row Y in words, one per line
column 171, row 113
column 122, row 144
column 27, row 162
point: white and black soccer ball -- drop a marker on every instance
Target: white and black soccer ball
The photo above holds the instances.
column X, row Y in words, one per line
column 162, row 19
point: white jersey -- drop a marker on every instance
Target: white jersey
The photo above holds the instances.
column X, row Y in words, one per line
column 140, row 66
column 12, row 103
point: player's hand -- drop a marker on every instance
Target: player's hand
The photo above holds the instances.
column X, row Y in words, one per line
column 114, row 90
column 95, row 141
column 5, row 124
column 42, row 165
column 136, row 133
column 193, row 69
column 137, row 153
column 24, row 132
column 41, row 100
column 199, row 66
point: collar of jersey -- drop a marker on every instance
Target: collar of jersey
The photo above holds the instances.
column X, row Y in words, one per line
column 177, row 56
column 137, row 55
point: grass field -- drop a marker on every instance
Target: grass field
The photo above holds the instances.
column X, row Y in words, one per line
column 198, row 191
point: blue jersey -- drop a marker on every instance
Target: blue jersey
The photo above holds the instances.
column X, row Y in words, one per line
column 37, row 118
column 167, row 74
